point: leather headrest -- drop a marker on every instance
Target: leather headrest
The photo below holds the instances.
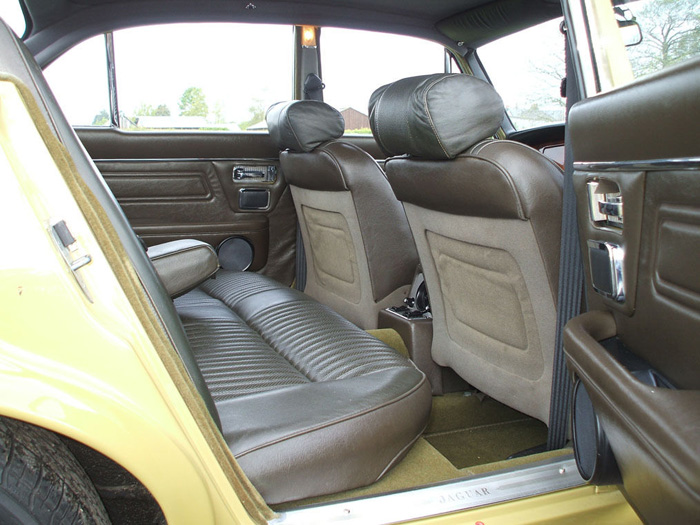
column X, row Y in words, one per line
column 434, row 116
column 301, row 125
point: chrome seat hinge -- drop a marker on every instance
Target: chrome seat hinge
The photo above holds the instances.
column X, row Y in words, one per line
column 71, row 252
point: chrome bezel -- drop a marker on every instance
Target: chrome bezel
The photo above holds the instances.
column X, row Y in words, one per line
column 616, row 256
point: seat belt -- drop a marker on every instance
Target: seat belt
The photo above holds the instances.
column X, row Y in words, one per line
column 313, row 90
column 570, row 275
column 313, row 87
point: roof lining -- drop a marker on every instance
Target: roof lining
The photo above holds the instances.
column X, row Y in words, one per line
column 61, row 24
column 488, row 22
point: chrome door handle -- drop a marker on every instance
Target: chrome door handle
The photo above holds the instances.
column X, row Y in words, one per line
column 610, row 208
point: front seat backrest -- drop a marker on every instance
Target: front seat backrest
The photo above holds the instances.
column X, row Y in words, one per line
column 486, row 218
column 360, row 254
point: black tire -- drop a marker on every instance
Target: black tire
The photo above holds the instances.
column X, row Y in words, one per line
column 41, row 482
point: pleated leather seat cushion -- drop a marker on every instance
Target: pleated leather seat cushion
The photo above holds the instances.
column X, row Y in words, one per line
column 309, row 403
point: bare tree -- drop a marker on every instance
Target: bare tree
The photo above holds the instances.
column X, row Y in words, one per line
column 671, row 34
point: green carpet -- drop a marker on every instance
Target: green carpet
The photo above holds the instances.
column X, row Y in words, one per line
column 474, row 430
column 488, row 443
column 458, row 411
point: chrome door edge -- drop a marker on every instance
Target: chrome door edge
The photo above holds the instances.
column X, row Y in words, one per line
column 690, row 163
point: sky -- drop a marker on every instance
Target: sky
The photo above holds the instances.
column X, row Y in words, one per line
column 11, row 13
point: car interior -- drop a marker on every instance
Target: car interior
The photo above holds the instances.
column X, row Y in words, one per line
column 366, row 314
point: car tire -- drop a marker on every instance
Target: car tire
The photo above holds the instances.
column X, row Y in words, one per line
column 41, row 482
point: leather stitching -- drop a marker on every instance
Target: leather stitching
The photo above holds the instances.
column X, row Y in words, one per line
column 430, row 117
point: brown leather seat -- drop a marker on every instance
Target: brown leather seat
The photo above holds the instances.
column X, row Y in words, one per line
column 485, row 215
column 360, row 254
column 309, row 403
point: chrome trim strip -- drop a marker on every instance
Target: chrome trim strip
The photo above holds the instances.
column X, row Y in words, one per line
column 115, row 118
column 505, row 485
column 244, row 160
column 690, row 163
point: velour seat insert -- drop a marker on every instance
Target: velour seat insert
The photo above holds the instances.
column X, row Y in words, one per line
column 486, row 218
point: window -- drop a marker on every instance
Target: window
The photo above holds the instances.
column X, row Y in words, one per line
column 670, row 33
column 78, row 79
column 355, row 63
column 179, row 77
column 652, row 35
column 527, row 68
column 202, row 76
column 11, row 13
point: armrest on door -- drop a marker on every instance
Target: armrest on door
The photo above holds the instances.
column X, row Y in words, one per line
column 653, row 431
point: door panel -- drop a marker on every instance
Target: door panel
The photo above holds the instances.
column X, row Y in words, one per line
column 639, row 145
column 182, row 185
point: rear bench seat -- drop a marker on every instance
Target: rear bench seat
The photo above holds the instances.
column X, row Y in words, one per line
column 309, row 404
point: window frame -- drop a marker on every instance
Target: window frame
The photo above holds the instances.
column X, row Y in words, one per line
column 508, row 126
column 115, row 121
column 452, row 61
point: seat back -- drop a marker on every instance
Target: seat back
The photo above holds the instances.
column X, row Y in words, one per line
column 360, row 254
column 485, row 216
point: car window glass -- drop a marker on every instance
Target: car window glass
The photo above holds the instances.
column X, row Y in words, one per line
column 202, row 76
column 527, row 68
column 78, row 79
column 178, row 77
column 11, row 13
column 670, row 33
column 355, row 63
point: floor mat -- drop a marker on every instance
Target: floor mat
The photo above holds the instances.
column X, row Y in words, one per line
column 472, row 429
column 488, row 443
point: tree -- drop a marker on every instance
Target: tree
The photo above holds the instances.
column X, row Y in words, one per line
column 162, row 111
column 257, row 114
column 218, row 113
column 671, row 31
column 101, row 118
column 193, row 103
column 544, row 104
column 146, row 110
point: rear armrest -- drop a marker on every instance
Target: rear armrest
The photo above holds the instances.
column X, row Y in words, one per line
column 184, row 264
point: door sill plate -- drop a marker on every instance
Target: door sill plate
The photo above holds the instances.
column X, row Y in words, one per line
column 498, row 487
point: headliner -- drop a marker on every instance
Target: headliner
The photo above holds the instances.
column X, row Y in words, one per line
column 60, row 24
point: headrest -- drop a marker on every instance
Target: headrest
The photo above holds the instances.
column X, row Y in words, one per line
column 434, row 116
column 301, row 125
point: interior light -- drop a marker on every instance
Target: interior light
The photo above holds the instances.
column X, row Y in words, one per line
column 308, row 36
